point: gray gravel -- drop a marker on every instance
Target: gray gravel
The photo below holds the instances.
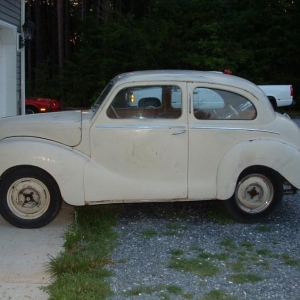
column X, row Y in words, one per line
column 148, row 234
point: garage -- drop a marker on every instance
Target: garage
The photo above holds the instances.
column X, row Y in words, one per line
column 8, row 70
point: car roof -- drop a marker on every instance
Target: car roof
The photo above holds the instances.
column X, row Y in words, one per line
column 188, row 76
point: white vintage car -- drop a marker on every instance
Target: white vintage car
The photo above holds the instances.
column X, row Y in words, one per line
column 222, row 141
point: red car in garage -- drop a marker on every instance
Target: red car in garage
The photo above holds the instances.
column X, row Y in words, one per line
column 34, row 105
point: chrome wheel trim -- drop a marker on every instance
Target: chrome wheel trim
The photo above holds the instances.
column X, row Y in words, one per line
column 28, row 198
column 254, row 193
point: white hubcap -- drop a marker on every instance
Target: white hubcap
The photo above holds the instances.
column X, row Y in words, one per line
column 28, row 198
column 254, row 193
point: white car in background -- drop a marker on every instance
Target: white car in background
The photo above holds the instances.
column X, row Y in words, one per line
column 229, row 145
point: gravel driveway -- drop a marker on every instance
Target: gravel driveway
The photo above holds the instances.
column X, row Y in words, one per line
column 196, row 251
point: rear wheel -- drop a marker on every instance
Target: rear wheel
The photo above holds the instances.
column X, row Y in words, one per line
column 258, row 194
column 29, row 198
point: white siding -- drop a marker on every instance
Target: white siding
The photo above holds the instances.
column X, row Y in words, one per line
column 10, row 64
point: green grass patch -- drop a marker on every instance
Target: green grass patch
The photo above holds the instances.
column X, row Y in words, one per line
column 289, row 261
column 150, row 233
column 174, row 229
column 145, row 289
column 245, row 278
column 78, row 272
column 198, row 266
column 176, row 226
column 247, row 245
column 167, row 292
column 77, row 286
column 212, row 256
column 238, row 266
column 264, row 252
column 264, row 264
column 219, row 215
column 228, row 244
column 177, row 252
column 218, row 295
column 263, row 228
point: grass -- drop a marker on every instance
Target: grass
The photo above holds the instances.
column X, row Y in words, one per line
column 245, row 278
column 198, row 266
column 218, row 295
column 166, row 292
column 79, row 272
column 149, row 233
column 219, row 215
column 263, row 228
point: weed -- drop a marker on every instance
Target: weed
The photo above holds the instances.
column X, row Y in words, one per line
column 218, row 256
column 174, row 229
column 264, row 252
column 287, row 260
column 263, row 228
column 238, row 266
column 175, row 226
column 218, row 295
column 78, row 271
column 197, row 266
column 177, row 252
column 244, row 278
column 242, row 253
column 174, row 289
column 149, row 233
column 219, row 216
column 229, row 244
column 169, row 289
column 247, row 245
column 264, row 264
column 144, row 289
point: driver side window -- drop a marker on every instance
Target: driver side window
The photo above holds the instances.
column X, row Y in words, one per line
column 147, row 102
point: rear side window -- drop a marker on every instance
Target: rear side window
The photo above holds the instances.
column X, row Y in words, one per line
column 215, row 104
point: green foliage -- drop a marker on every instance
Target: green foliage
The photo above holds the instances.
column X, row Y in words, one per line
column 258, row 40
column 79, row 271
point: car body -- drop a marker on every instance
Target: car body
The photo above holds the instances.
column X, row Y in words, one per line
column 239, row 150
column 279, row 95
column 34, row 105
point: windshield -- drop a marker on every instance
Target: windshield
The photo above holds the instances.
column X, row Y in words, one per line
column 102, row 96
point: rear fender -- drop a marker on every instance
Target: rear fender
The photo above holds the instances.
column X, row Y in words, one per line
column 63, row 163
column 279, row 156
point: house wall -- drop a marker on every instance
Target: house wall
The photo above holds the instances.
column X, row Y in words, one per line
column 10, row 57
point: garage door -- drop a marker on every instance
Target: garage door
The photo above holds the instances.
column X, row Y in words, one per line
column 1, row 78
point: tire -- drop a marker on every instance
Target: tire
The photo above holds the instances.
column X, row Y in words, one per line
column 29, row 198
column 29, row 110
column 257, row 196
column 273, row 102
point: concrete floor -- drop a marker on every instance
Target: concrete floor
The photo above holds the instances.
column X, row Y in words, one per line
column 24, row 254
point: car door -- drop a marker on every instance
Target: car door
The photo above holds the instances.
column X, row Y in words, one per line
column 139, row 150
column 219, row 118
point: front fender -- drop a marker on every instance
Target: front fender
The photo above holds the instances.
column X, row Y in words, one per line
column 279, row 156
column 63, row 163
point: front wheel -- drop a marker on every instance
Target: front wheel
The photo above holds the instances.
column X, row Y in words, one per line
column 257, row 196
column 29, row 198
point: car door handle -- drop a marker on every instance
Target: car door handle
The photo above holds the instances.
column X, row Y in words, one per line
column 179, row 132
